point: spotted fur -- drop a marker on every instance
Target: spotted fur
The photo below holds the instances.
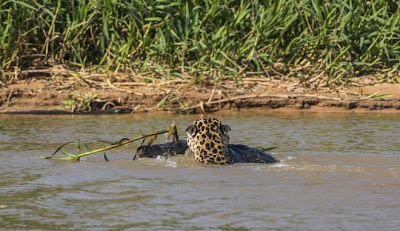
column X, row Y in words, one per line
column 208, row 139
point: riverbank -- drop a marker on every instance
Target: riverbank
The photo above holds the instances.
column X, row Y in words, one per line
column 137, row 57
column 122, row 94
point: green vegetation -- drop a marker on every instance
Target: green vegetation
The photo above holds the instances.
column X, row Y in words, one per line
column 82, row 103
column 204, row 39
column 267, row 149
column 375, row 95
column 172, row 131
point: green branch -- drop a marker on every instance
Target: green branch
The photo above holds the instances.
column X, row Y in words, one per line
column 76, row 157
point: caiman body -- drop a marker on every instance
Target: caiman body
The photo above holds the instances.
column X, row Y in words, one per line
column 238, row 153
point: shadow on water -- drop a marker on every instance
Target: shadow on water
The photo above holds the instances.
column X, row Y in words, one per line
column 336, row 172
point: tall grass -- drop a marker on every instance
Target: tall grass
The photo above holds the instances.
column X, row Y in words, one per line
column 204, row 39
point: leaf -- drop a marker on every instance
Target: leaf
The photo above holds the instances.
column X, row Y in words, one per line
column 79, row 146
column 69, row 154
column 266, row 149
column 105, row 141
column 173, row 131
column 162, row 102
column 123, row 140
column 376, row 95
column 106, row 158
column 58, row 149
column 151, row 141
column 153, row 19
column 23, row 4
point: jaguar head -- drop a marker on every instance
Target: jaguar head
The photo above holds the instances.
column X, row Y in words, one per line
column 208, row 139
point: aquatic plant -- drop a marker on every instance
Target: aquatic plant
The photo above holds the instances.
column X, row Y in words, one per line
column 204, row 39
column 266, row 149
column 172, row 131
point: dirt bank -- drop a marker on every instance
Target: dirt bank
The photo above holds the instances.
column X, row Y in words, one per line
column 55, row 94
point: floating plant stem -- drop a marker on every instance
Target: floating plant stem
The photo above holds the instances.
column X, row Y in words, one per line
column 266, row 149
column 122, row 142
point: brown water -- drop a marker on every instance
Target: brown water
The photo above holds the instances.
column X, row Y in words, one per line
column 337, row 172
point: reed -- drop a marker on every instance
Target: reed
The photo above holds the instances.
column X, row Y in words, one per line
column 205, row 40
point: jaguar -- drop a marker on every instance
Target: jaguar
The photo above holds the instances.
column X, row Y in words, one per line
column 208, row 140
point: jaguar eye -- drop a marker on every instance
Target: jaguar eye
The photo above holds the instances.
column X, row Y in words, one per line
column 191, row 130
column 225, row 129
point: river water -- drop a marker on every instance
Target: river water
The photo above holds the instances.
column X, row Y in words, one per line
column 337, row 172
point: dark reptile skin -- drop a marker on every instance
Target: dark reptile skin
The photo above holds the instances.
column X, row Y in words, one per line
column 239, row 153
column 171, row 148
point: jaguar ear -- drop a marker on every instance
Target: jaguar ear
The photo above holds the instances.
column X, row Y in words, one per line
column 225, row 129
column 191, row 130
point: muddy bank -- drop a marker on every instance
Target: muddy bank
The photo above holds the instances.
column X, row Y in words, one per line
column 77, row 95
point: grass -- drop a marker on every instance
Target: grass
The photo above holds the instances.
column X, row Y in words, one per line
column 204, row 40
column 373, row 96
column 87, row 102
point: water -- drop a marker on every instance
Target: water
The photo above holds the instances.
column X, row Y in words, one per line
column 337, row 172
